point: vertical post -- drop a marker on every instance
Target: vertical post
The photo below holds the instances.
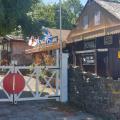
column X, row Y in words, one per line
column 57, row 74
column 74, row 59
column 109, row 61
column 14, row 90
column 11, row 95
column 57, row 58
column 14, row 95
column 64, row 80
column 0, row 56
column 60, row 29
column 60, row 39
column 57, row 84
column 95, row 54
column 37, row 81
column 60, row 48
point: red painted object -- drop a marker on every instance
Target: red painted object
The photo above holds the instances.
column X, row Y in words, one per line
column 14, row 83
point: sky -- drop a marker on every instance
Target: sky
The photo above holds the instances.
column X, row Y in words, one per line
column 53, row 1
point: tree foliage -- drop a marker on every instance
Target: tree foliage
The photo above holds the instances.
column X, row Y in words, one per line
column 14, row 13
column 48, row 15
column 73, row 8
column 31, row 15
column 44, row 14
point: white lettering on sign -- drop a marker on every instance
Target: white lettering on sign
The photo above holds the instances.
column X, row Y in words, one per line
column 108, row 40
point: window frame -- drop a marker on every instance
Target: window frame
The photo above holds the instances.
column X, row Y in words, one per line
column 85, row 22
column 97, row 17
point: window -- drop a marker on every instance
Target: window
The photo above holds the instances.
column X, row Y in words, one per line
column 97, row 17
column 1, row 47
column 5, row 46
column 85, row 22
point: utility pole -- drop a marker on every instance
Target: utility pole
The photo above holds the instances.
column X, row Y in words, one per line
column 60, row 43
column 60, row 31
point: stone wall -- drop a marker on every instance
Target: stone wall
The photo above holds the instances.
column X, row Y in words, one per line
column 93, row 94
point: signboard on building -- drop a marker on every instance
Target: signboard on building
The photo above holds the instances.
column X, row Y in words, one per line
column 108, row 40
column 89, row 44
column 88, row 59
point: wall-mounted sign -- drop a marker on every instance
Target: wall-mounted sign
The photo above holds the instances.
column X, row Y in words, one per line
column 89, row 44
column 108, row 40
column 55, row 39
column 88, row 59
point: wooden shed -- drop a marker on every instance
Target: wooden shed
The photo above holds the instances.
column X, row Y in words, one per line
column 94, row 43
column 13, row 50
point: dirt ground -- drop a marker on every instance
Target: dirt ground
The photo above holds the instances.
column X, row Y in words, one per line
column 42, row 110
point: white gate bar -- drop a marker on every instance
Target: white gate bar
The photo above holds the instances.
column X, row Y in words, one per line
column 57, row 58
column 64, row 79
column 57, row 85
column 37, row 98
column 36, row 71
column 40, row 67
column 6, row 67
column 5, row 100
column 37, row 81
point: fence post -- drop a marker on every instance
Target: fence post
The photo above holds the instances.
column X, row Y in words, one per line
column 37, row 70
column 64, row 80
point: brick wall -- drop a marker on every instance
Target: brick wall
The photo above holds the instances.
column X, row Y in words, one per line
column 96, row 95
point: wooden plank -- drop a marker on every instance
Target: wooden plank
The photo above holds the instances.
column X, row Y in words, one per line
column 44, row 48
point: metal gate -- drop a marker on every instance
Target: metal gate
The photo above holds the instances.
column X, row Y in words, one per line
column 41, row 82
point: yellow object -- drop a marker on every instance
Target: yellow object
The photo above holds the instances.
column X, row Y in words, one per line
column 119, row 54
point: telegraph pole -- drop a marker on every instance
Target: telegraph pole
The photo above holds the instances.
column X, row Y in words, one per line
column 60, row 44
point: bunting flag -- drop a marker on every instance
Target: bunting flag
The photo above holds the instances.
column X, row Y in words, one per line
column 32, row 42
column 46, row 38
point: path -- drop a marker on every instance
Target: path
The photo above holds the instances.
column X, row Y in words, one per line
column 41, row 110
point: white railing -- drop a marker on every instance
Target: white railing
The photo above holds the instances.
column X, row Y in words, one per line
column 39, row 85
column 37, row 89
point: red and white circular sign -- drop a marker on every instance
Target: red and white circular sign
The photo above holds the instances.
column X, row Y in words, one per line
column 13, row 83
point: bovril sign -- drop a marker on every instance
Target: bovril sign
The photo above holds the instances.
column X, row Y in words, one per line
column 88, row 59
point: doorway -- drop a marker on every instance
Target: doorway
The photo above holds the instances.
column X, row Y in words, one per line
column 102, row 63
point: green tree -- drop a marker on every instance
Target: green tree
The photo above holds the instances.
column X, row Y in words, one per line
column 70, row 12
column 73, row 8
column 44, row 14
column 14, row 13
column 66, row 23
column 48, row 15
